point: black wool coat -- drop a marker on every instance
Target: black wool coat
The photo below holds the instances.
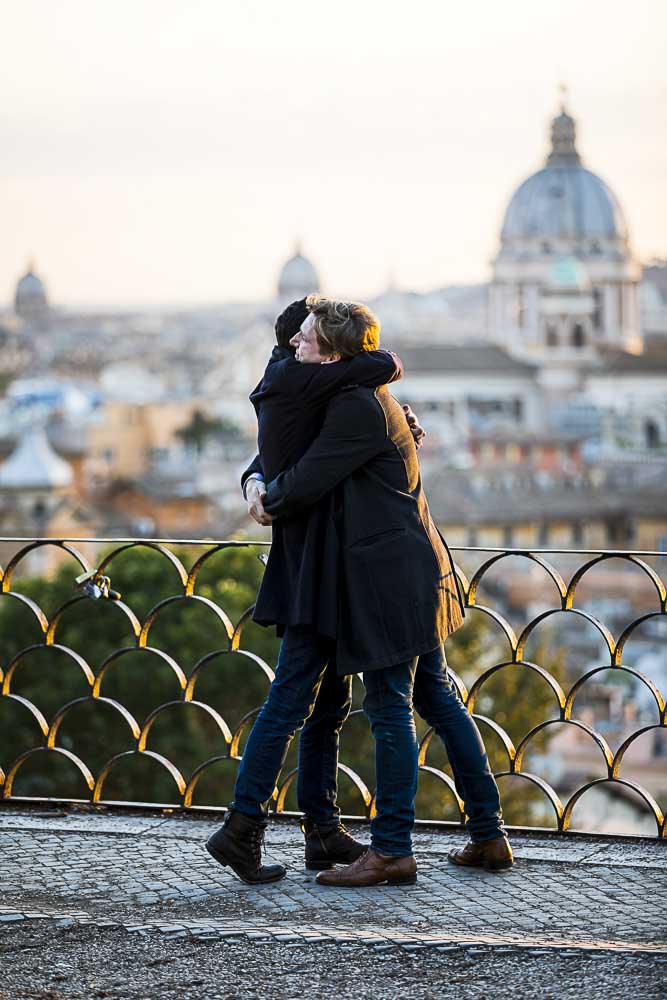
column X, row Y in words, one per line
column 300, row 584
column 398, row 593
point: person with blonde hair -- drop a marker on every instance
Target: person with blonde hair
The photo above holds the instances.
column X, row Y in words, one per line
column 299, row 591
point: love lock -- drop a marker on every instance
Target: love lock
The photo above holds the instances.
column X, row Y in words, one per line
column 94, row 584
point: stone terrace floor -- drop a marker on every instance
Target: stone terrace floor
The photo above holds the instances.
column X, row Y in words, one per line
column 577, row 917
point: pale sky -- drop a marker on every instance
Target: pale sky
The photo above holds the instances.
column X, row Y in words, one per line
column 172, row 151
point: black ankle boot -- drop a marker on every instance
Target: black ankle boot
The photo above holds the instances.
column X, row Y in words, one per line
column 238, row 843
column 330, row 844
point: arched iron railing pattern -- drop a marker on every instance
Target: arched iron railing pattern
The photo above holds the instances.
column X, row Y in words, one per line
column 138, row 730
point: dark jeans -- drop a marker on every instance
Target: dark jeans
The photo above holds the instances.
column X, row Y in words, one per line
column 390, row 695
column 306, row 689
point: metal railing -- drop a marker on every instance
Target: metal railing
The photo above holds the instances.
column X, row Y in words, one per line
column 567, row 574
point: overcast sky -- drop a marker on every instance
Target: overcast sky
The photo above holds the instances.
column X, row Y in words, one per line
column 172, row 151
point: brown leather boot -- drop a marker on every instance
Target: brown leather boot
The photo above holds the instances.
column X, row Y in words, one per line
column 494, row 855
column 373, row 869
column 329, row 845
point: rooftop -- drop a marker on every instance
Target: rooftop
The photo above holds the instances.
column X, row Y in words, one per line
column 454, row 358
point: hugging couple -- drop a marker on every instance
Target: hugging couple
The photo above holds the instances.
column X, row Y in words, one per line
column 358, row 580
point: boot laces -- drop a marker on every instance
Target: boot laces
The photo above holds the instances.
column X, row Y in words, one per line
column 257, row 841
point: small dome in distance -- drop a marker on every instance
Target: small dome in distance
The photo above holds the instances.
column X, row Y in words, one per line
column 298, row 277
column 30, row 299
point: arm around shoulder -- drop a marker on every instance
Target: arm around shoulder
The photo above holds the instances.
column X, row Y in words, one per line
column 353, row 432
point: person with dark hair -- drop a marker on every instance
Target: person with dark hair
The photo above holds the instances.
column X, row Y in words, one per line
column 398, row 601
column 289, row 323
column 299, row 594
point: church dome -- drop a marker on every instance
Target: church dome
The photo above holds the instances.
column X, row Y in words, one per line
column 30, row 289
column 567, row 274
column 298, row 277
column 34, row 465
column 564, row 200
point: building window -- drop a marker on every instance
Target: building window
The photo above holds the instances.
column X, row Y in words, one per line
column 613, row 533
column 652, row 434
column 507, row 536
column 472, row 537
column 578, row 336
column 520, row 307
column 552, row 336
column 597, row 308
column 543, row 537
column 546, row 248
column 577, row 533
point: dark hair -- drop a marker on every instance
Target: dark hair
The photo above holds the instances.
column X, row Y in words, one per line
column 289, row 322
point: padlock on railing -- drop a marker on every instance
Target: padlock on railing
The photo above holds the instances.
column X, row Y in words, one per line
column 96, row 585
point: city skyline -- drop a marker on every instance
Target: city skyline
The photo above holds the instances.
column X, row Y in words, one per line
column 162, row 155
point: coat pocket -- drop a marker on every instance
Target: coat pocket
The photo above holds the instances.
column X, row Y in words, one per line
column 378, row 537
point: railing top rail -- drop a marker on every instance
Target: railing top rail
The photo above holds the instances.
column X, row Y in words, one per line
column 256, row 541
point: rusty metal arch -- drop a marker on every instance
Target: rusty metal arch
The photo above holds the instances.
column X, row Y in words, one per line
column 35, row 647
column 480, row 573
column 244, row 620
column 626, row 744
column 505, row 627
column 58, row 614
column 213, row 551
column 153, row 716
column 627, row 557
column 458, row 684
column 6, row 577
column 156, row 547
column 204, row 662
column 199, row 772
column 152, row 615
column 64, row 711
column 533, row 624
column 551, row 681
column 61, row 751
column 550, row 794
column 449, row 783
column 119, row 654
column 32, row 708
column 111, row 764
column 505, row 739
column 32, row 606
column 632, row 785
column 463, row 580
column 241, row 728
column 599, row 740
column 581, row 681
column 628, row 631
column 358, row 783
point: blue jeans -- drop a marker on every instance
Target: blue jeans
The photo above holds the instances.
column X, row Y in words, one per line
column 390, row 696
column 306, row 689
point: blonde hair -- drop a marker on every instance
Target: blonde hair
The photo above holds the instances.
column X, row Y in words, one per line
column 344, row 328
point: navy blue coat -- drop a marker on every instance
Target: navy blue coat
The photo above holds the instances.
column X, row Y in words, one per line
column 301, row 582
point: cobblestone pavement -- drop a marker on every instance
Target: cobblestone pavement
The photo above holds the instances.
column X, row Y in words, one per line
column 151, row 873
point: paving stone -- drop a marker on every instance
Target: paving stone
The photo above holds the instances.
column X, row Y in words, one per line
column 89, row 868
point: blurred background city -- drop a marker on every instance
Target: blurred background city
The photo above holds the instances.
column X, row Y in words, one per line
column 492, row 183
